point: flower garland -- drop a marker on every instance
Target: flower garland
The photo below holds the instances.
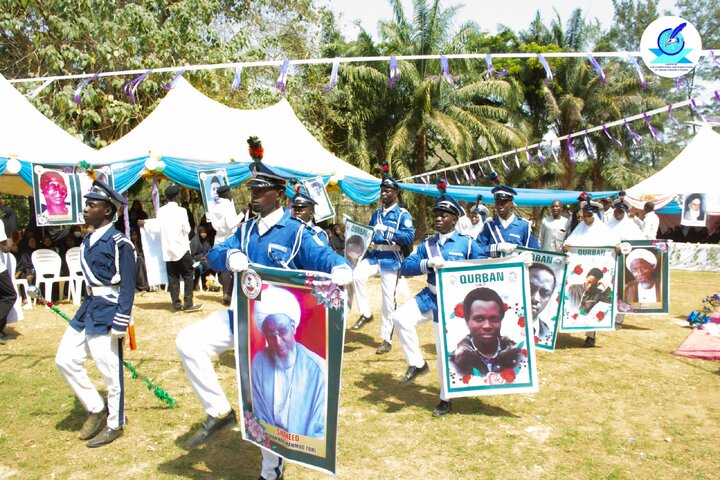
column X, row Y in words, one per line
column 698, row 318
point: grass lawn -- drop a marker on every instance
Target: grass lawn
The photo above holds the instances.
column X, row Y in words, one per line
column 627, row 409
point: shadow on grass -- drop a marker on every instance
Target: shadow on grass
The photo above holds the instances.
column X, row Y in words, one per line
column 227, row 359
column 224, row 456
column 384, row 390
column 74, row 419
column 353, row 336
column 625, row 326
column 565, row 340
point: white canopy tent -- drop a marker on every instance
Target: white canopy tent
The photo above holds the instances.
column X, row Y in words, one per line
column 188, row 125
column 28, row 135
column 694, row 170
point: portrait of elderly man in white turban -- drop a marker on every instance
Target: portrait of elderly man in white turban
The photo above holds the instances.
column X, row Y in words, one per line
column 288, row 380
column 645, row 288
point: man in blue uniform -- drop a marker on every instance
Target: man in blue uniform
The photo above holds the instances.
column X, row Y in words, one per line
column 393, row 227
column 303, row 208
column 108, row 265
column 446, row 245
column 273, row 239
column 505, row 230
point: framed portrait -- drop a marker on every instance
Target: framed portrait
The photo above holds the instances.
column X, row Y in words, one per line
column 316, row 189
column 589, row 299
column 104, row 174
column 694, row 210
column 644, row 278
column 486, row 346
column 55, row 191
column 546, row 276
column 357, row 239
column 290, row 332
column 210, row 181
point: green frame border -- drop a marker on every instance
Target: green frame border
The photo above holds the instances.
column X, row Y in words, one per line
column 334, row 349
column 509, row 387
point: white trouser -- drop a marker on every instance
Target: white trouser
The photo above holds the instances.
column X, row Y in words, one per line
column 439, row 337
column 196, row 344
column 70, row 359
column 272, row 465
column 388, row 281
column 406, row 319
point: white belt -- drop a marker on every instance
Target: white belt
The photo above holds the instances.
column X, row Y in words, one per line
column 386, row 248
column 432, row 288
column 103, row 290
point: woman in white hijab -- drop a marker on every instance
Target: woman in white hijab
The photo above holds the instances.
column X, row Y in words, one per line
column 591, row 232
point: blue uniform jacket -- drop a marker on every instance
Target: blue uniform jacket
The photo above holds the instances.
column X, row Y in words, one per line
column 400, row 232
column 322, row 235
column 108, row 262
column 288, row 244
column 456, row 247
column 518, row 232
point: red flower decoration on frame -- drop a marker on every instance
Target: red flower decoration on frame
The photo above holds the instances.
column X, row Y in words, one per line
column 458, row 311
column 578, row 270
column 521, row 322
column 508, row 375
column 600, row 316
column 466, row 378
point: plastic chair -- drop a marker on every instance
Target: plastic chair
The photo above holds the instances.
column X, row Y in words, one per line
column 47, row 265
column 11, row 263
column 72, row 260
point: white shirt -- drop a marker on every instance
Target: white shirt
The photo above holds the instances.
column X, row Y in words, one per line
column 626, row 229
column 596, row 235
column 224, row 219
column 97, row 234
column 267, row 222
column 649, row 225
column 553, row 232
column 173, row 226
column 3, row 238
column 282, row 380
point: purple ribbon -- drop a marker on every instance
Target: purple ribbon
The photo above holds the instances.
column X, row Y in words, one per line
column 131, row 87
column 472, row 174
column 126, row 216
column 446, row 70
column 173, row 82
column 612, row 139
column 717, row 95
column 695, row 107
column 672, row 117
column 237, row 79
column 281, row 83
column 586, row 141
column 76, row 95
column 571, row 151
column 540, row 155
column 548, row 73
column 333, row 77
column 653, row 132
column 634, row 136
column 457, row 180
column 394, row 72
column 714, row 59
column 529, row 156
column 422, row 179
column 517, row 160
column 467, row 178
column 155, row 193
column 596, row 66
column 507, row 169
column 638, row 70
column 552, row 151
column 482, row 172
column 489, row 65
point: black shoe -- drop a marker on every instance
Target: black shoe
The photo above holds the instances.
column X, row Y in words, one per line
column 441, row 408
column 413, row 372
column 384, row 347
column 94, row 423
column 210, row 427
column 589, row 342
column 260, row 477
column 107, row 435
column 226, row 302
column 362, row 321
column 3, row 335
column 192, row 308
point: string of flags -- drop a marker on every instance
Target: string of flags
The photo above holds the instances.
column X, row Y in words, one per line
column 131, row 87
column 555, row 144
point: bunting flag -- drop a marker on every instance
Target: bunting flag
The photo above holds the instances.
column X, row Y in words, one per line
column 332, row 83
column 612, row 139
column 173, row 82
column 131, row 87
column 237, row 79
column 552, row 151
column 653, row 132
column 394, row 72
column 155, row 193
column 596, row 66
column 517, row 160
column 126, row 215
column 281, row 83
column 639, row 72
column 636, row 139
column 78, row 90
column 548, row 72
column 571, row 152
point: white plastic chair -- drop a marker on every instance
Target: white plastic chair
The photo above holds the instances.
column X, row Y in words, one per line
column 72, row 260
column 47, row 265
